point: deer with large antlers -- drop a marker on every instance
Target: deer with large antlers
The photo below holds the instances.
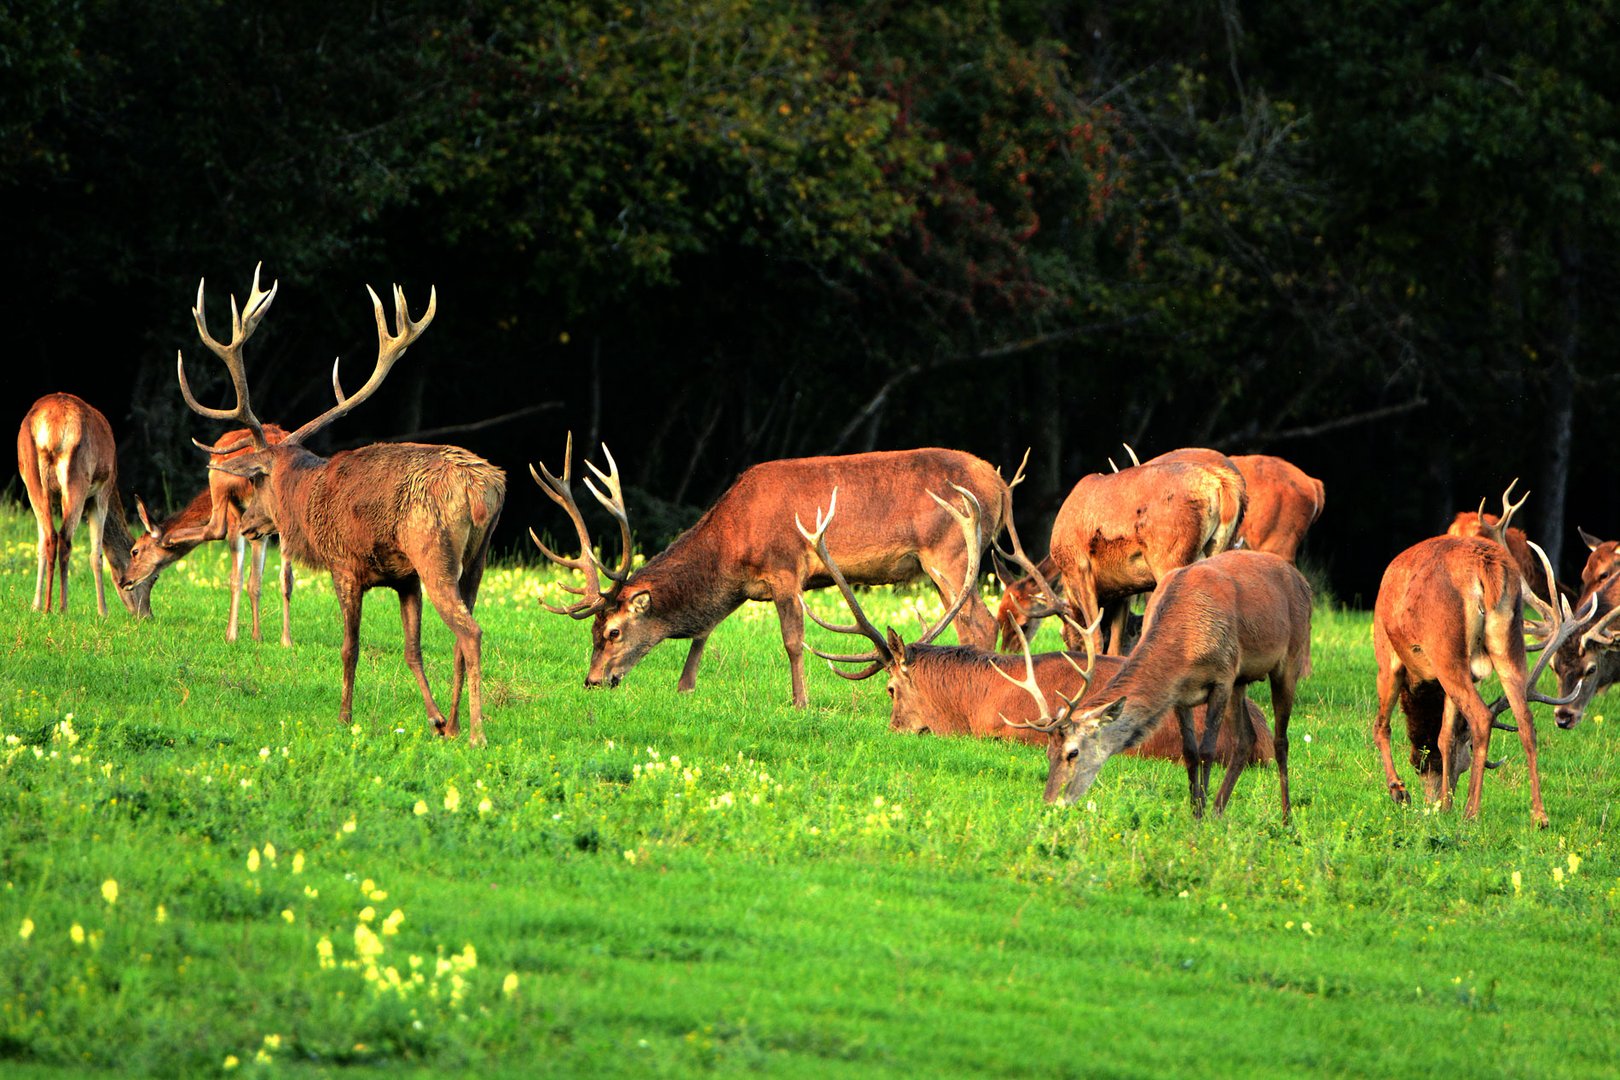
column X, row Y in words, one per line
column 1449, row 612
column 157, row 548
column 407, row 516
column 66, row 452
column 1588, row 663
column 1489, row 527
column 1212, row 628
column 741, row 549
column 962, row 690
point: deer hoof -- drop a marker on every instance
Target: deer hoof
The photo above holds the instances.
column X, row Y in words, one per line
column 1397, row 791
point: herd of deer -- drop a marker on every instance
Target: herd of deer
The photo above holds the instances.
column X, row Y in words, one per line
column 1212, row 539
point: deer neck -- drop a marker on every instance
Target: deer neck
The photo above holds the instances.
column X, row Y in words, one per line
column 305, row 500
column 951, row 681
column 194, row 515
column 692, row 593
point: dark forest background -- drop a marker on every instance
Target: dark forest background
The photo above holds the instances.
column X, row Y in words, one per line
column 1376, row 238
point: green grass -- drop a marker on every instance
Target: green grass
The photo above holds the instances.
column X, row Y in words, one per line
column 716, row 882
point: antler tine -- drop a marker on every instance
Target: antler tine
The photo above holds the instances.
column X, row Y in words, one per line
column 243, row 322
column 882, row 656
column 1508, row 508
column 613, row 502
column 1134, row 459
column 560, row 491
column 1055, row 605
column 1566, row 623
column 1046, row 722
column 1596, row 635
column 1018, row 477
column 391, row 345
column 968, row 522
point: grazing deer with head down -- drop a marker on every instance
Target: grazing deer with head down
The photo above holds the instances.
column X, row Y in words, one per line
column 1212, row 628
column 65, row 449
column 157, row 548
column 1283, row 503
column 1590, row 662
column 742, row 549
column 1118, row 534
column 1449, row 612
column 955, row 690
column 408, row 516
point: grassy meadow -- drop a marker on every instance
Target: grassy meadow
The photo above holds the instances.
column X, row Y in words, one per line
column 204, row 873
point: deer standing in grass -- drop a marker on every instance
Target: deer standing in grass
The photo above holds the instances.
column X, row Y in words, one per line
column 963, row 690
column 157, row 549
column 1212, row 628
column 1449, row 612
column 408, row 516
column 743, row 549
column 66, row 452
column 1283, row 503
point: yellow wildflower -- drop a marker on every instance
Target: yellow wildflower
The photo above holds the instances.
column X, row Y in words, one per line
column 485, row 806
column 452, row 799
column 348, row 826
column 368, row 913
column 298, row 862
column 420, row 808
column 390, row 925
column 160, row 916
column 253, row 861
column 270, row 852
column 109, row 890
column 1574, row 864
column 76, row 932
column 231, row 1061
column 509, row 984
column 287, row 915
column 26, row 930
column 366, row 943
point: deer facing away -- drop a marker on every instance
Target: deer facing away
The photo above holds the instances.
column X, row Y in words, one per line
column 66, row 452
column 406, row 516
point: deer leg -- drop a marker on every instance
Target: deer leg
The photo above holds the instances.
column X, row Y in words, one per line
column 255, row 582
column 98, row 521
column 410, row 619
column 1084, row 596
column 694, row 656
column 1508, row 660
column 1388, row 690
column 1220, row 697
column 1236, row 719
column 72, row 514
column 1282, row 707
column 350, row 596
column 286, row 599
column 447, row 601
column 792, row 619
column 238, row 552
column 45, row 570
column 1189, row 757
column 1447, row 745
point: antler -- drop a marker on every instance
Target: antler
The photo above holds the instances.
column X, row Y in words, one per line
column 1600, row 635
column 1562, row 623
column 1509, row 508
column 390, row 347
column 883, row 655
column 560, row 490
column 243, row 322
column 1048, row 721
column 1055, row 604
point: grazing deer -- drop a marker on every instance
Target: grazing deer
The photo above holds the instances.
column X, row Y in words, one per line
column 1489, row 527
column 1283, row 504
column 65, row 449
column 741, row 549
column 1212, row 628
column 1118, row 534
column 157, row 548
column 955, row 690
column 1601, row 562
column 408, row 516
column 1449, row 612
column 1590, row 662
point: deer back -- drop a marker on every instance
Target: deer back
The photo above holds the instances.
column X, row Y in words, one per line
column 1441, row 597
column 1283, row 503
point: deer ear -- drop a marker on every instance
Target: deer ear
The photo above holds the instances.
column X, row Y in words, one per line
column 248, row 467
column 640, row 603
column 897, row 648
column 1102, row 715
column 1592, row 543
column 140, row 509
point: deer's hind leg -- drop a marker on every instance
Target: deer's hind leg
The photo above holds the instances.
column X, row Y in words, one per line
column 410, row 619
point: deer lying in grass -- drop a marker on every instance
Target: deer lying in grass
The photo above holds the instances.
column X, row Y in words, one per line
column 65, row 450
column 963, row 690
column 157, row 548
column 408, row 516
column 741, row 549
column 1211, row 628
column 1449, row 612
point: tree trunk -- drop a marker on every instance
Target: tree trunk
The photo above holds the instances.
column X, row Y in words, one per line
column 1561, row 402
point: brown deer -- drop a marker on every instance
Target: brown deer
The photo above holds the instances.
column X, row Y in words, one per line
column 1118, row 534
column 1449, row 612
column 1601, row 562
column 1212, row 628
column 157, row 549
column 1590, row 662
column 408, row 516
column 1283, row 503
column 742, row 549
column 1488, row 526
column 955, row 690
column 65, row 451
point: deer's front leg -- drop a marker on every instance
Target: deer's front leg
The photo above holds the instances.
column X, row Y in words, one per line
column 792, row 617
column 694, row 656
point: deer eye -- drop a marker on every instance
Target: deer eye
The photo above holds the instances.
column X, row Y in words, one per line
column 1073, row 753
column 1591, row 669
column 612, row 634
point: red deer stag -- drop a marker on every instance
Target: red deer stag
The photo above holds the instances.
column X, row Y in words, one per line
column 65, row 451
column 1118, row 534
column 1283, row 504
column 157, row 548
column 742, row 549
column 1449, row 612
column 1020, row 602
column 1212, row 628
column 1488, row 527
column 408, row 516
column 954, row 690
column 1587, row 664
